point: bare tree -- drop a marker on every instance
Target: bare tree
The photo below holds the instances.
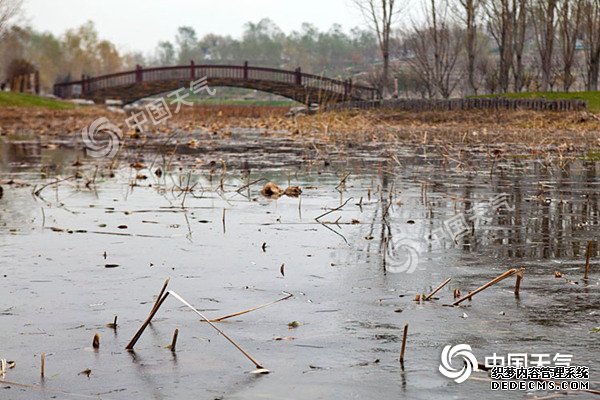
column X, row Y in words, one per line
column 436, row 46
column 381, row 15
column 543, row 18
column 569, row 17
column 591, row 34
column 469, row 13
column 519, row 35
column 500, row 18
column 8, row 10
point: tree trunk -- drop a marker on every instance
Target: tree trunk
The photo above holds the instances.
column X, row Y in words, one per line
column 593, row 70
column 385, row 74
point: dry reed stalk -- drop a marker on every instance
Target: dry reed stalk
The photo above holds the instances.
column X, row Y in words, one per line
column 437, row 289
column 250, row 309
column 140, row 331
column 587, row 260
column 159, row 301
column 160, row 294
column 174, row 341
column 403, row 345
column 483, row 287
column 520, row 275
column 259, row 367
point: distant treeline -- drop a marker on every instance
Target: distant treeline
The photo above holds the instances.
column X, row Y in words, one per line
column 448, row 48
column 80, row 51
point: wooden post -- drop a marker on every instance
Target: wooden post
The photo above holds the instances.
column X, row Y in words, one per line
column 192, row 70
column 37, row 82
column 245, row 70
column 139, row 77
column 346, row 89
column 83, row 88
column 298, row 75
column 43, row 365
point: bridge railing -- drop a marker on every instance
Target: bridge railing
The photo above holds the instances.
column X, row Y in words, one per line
column 344, row 88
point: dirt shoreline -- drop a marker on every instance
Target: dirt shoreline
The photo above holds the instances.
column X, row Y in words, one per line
column 561, row 132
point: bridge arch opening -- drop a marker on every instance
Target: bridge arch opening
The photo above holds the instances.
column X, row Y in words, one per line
column 230, row 95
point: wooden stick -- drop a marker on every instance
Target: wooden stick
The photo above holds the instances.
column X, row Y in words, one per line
column 437, row 289
column 487, row 285
column 250, row 309
column 174, row 341
column 237, row 346
column 403, row 345
column 138, row 334
column 588, row 253
column 43, row 366
column 520, row 275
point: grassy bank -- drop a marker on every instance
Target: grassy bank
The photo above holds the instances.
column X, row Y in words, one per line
column 592, row 98
column 11, row 99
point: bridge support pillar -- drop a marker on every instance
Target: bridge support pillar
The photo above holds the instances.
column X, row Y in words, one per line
column 298, row 76
column 245, row 70
column 192, row 70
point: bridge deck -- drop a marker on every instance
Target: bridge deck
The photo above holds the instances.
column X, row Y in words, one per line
column 142, row 82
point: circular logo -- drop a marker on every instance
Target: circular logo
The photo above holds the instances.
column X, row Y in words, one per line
column 469, row 362
column 102, row 127
column 402, row 255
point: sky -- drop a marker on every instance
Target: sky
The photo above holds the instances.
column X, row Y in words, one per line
column 138, row 25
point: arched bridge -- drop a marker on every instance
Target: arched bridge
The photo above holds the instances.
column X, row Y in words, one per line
column 130, row 86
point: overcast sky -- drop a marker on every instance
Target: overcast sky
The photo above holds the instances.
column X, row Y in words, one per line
column 140, row 24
